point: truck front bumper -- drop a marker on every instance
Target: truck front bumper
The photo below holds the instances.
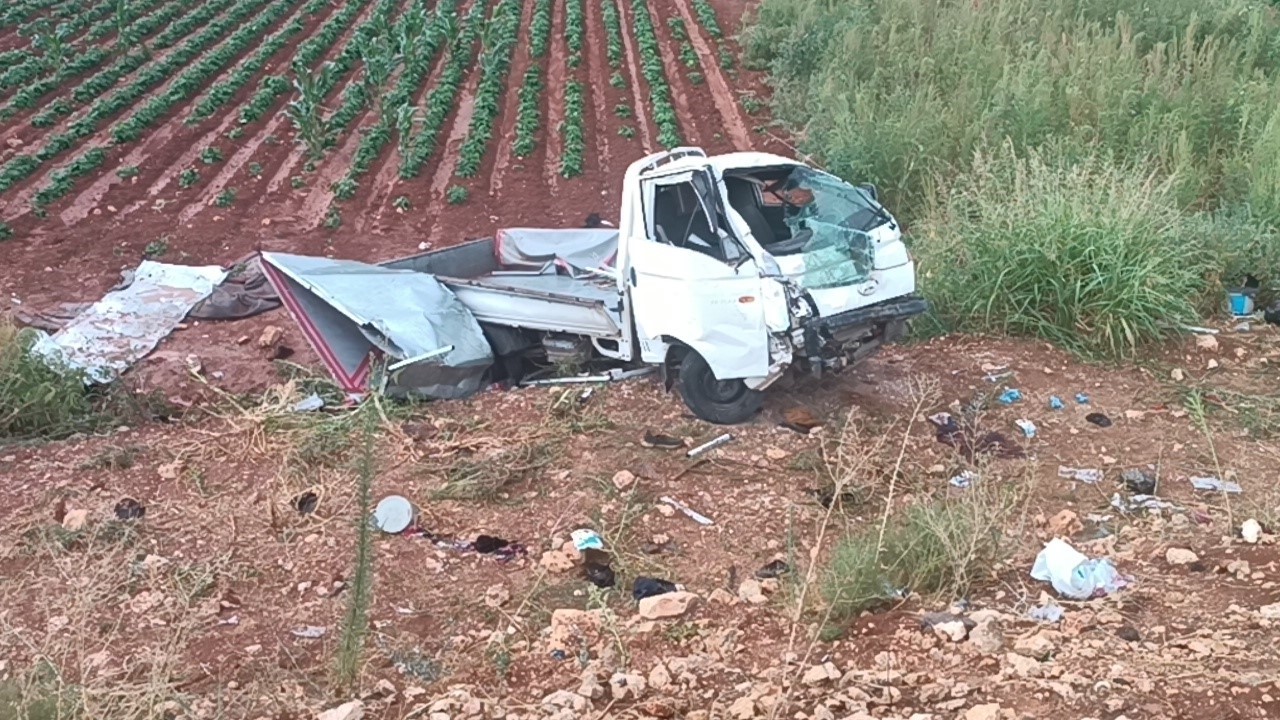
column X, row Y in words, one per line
column 828, row 341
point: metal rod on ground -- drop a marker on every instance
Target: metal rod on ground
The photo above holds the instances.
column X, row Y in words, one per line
column 709, row 445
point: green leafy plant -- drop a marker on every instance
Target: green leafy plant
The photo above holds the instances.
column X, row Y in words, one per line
column 156, row 248
column 627, row 131
column 345, row 188
column 574, row 31
column 495, row 62
column 622, row 110
column 572, row 131
column 296, row 182
column 456, row 195
column 210, row 155
column 613, row 36
column 6, row 231
column 401, row 203
column 332, row 219
column 439, row 102
column 127, row 172
column 255, row 170
column 188, row 177
column 226, row 198
column 664, row 114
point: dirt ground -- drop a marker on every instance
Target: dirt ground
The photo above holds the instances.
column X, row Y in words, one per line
column 225, row 600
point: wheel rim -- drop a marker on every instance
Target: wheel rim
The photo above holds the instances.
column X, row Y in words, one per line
column 721, row 392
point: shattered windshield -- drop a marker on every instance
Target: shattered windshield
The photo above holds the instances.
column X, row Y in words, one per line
column 831, row 218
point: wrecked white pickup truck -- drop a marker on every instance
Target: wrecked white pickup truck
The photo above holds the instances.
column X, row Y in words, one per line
column 725, row 272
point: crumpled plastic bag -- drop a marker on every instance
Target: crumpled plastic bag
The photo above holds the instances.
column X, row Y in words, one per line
column 1073, row 574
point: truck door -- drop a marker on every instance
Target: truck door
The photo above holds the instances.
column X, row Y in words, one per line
column 692, row 281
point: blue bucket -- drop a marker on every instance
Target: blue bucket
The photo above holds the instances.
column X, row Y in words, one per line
column 1241, row 303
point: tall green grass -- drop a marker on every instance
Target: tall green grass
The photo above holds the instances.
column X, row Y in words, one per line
column 976, row 116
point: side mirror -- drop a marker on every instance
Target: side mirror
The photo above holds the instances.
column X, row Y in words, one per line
column 871, row 190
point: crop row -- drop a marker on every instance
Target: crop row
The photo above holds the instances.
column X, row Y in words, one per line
column 307, row 54
column 707, row 18
column 574, row 30
column 572, row 131
column 20, row 12
column 24, row 165
column 419, row 37
column 528, row 115
column 176, row 26
column 613, row 33
column 416, row 151
column 688, row 56
column 664, row 115
column 495, row 65
column 54, row 43
column 190, row 82
column 221, row 93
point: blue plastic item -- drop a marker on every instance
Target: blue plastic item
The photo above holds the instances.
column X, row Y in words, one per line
column 1055, row 403
column 1010, row 396
column 1082, row 398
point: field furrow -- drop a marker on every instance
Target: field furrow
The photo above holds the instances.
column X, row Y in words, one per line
column 557, row 81
column 726, row 104
column 635, row 80
column 521, row 110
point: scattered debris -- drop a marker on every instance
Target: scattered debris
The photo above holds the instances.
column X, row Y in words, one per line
column 1028, row 428
column 660, row 441
column 130, row 509
column 773, row 570
column 599, row 574
column 75, row 520
column 709, row 445
column 1055, row 403
column 1088, row 476
column 310, row 632
column 109, row 336
column 986, row 635
column 827, row 497
column 586, row 539
column 306, row 503
column 751, row 592
column 1082, row 399
column 353, row 710
column 964, row 480
column 1139, row 481
column 950, row 433
column 1180, row 556
column 1098, row 419
column 1010, row 396
column 489, row 544
column 646, row 587
column 800, row 420
column 1128, row 633
column 1213, row 484
column 1051, row 614
column 310, row 404
column 1140, row 502
column 393, row 515
column 947, row 626
column 696, row 516
column 1064, row 524
column 1251, row 531
column 1073, row 574
column 623, row 479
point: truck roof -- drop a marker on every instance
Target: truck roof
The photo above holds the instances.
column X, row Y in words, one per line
column 749, row 159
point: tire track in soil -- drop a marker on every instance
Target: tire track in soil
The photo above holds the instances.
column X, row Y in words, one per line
column 557, row 77
column 523, row 59
column 84, row 203
column 449, row 153
column 28, row 188
column 690, row 133
column 388, row 177
column 721, row 94
column 597, row 84
column 643, row 119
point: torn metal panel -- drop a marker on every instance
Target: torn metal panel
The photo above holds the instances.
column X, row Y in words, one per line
column 350, row 311
column 124, row 326
column 539, row 249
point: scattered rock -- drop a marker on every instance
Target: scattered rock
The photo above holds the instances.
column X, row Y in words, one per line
column 556, row 561
column 987, row 637
column 590, row 687
column 1180, row 556
column 496, row 596
column 667, row 605
column 1270, row 612
column 751, row 592
column 820, row 673
column 776, row 453
column 566, row 700
column 666, row 510
column 1128, row 633
column 1037, row 646
column 744, row 708
column 1207, row 342
column 1065, row 524
column 623, row 479
column 626, row 685
column 659, row 678
column 953, row 630
column 75, row 520
column 353, row 710
column 571, row 629
column 1177, row 375
column 722, row 596
column 1022, row 666
column 990, row 711
column 271, row 335
column 14, row 143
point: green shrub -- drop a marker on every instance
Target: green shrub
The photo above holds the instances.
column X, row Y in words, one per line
column 37, row 402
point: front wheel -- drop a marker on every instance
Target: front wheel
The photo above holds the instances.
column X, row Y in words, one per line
column 722, row 402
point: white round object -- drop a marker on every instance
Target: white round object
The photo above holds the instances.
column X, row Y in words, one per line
column 393, row 514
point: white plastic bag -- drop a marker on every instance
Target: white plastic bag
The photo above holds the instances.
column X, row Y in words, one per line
column 1073, row 574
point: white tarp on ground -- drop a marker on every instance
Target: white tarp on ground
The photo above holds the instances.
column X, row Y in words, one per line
column 351, row 310
column 110, row 335
column 538, row 248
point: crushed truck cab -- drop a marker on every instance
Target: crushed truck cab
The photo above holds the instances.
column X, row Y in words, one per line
column 725, row 271
column 738, row 267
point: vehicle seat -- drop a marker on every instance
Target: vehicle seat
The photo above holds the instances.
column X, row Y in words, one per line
column 742, row 197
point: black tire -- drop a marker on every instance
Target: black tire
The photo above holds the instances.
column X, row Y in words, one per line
column 722, row 402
